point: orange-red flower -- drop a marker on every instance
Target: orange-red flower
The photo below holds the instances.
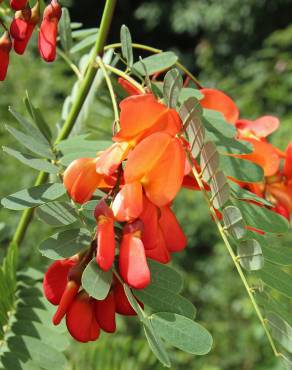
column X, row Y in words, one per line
column 5, row 48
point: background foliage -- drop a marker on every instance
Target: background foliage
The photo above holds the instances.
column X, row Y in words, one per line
column 242, row 48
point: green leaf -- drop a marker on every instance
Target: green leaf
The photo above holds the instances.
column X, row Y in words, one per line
column 57, row 214
column 187, row 92
column 33, row 197
column 182, row 333
column 233, row 222
column 135, row 305
column 65, row 244
column 209, row 160
column 156, row 63
column 262, row 218
column 159, row 299
column 77, row 34
column 65, row 30
column 172, row 86
column 79, row 144
column 277, row 279
column 243, row 194
column 164, row 276
column 278, row 254
column 215, row 122
column 241, row 169
column 190, row 113
column 42, row 354
column 30, row 129
column 126, row 41
column 31, row 143
column 156, row 345
column 250, row 255
column 38, row 118
column 84, row 44
column 33, row 162
column 220, row 190
column 271, row 305
column 96, row 282
column 280, row 330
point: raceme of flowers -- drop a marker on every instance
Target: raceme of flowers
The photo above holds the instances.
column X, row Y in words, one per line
column 140, row 175
column 22, row 27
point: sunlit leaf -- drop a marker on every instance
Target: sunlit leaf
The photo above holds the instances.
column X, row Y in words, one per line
column 188, row 92
column 183, row 333
column 209, row 160
column 220, row 190
column 233, row 221
column 156, row 63
column 96, row 282
column 250, row 255
column 172, row 86
column 33, row 197
column 190, row 113
column 215, row 122
column 240, row 193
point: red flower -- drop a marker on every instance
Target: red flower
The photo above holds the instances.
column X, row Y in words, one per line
column 80, row 319
column 49, row 30
column 105, row 313
column 5, row 47
column 123, row 306
column 18, row 4
column 21, row 44
column 19, row 24
column 133, row 265
column 105, row 252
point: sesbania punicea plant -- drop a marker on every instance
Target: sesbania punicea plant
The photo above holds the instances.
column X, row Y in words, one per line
column 114, row 203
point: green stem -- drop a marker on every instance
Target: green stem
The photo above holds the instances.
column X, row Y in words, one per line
column 70, row 63
column 234, row 258
column 157, row 51
column 84, row 88
column 125, row 76
column 110, row 89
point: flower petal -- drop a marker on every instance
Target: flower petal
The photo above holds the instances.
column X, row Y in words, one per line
column 288, row 162
column 261, row 127
column 217, row 100
column 105, row 252
column 105, row 313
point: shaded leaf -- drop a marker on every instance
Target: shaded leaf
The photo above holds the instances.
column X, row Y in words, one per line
column 33, row 197
column 182, row 333
column 233, row 222
column 57, row 213
column 280, row 330
column 65, row 30
column 33, row 162
column 250, row 255
column 241, row 169
column 262, row 218
column 126, row 41
column 172, row 86
column 165, row 277
column 243, row 194
column 135, row 305
column 159, row 299
column 156, row 345
column 96, row 282
column 277, row 279
column 85, row 43
column 65, row 244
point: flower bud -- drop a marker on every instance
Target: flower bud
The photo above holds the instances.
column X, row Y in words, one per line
column 5, row 47
column 49, row 30
column 18, row 4
column 19, row 25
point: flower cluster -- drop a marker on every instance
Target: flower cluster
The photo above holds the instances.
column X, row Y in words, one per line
column 276, row 164
column 22, row 27
column 140, row 175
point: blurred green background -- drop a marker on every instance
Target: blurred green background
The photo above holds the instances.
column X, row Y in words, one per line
column 241, row 47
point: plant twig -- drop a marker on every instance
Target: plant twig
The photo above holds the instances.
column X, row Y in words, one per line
column 157, row 51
